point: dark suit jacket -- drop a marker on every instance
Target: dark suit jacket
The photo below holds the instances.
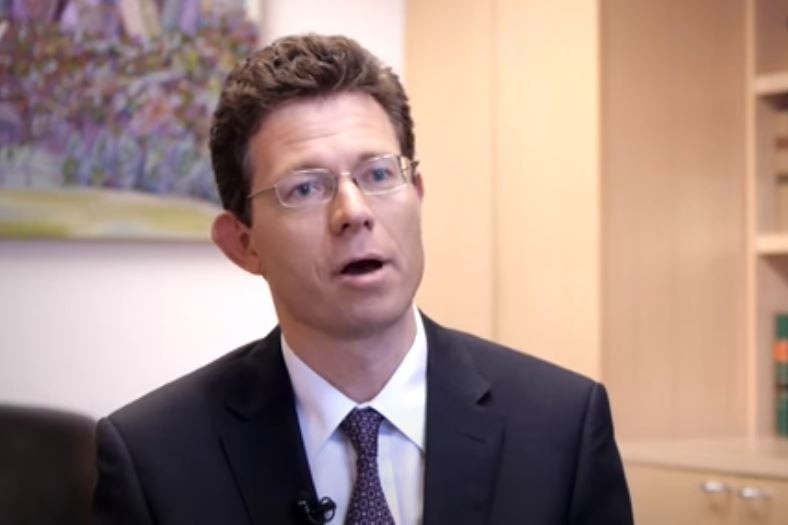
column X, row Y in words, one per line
column 510, row 439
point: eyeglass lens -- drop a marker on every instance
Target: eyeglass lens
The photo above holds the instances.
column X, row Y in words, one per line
column 374, row 176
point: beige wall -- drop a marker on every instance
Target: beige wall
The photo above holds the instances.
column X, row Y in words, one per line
column 449, row 78
column 505, row 97
column 547, row 180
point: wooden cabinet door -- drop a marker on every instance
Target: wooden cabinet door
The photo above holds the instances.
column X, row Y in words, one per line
column 663, row 496
column 761, row 502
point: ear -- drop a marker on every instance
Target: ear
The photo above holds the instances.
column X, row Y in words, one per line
column 234, row 238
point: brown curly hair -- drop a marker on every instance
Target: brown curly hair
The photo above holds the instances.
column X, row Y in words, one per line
column 292, row 67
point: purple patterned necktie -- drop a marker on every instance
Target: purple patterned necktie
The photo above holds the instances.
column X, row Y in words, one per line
column 368, row 503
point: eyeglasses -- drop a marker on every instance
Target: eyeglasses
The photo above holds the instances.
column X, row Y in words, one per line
column 375, row 176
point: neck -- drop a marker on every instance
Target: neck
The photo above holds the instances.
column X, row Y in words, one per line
column 358, row 365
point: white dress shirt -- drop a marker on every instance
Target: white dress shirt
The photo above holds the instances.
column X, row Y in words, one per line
column 332, row 459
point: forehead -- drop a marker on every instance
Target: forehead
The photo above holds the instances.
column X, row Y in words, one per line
column 334, row 131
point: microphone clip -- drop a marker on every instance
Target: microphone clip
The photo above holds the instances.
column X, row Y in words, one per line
column 318, row 512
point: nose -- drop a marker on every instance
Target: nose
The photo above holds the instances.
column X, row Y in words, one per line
column 350, row 210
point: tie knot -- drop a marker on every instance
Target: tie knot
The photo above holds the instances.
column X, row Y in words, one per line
column 361, row 427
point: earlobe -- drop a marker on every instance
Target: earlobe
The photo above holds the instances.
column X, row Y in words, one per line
column 233, row 237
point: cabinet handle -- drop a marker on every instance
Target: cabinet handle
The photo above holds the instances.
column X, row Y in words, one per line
column 714, row 487
column 753, row 494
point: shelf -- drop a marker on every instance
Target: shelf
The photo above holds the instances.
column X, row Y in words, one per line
column 771, row 84
column 772, row 244
column 763, row 457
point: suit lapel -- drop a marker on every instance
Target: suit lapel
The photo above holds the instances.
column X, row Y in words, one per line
column 463, row 438
column 262, row 440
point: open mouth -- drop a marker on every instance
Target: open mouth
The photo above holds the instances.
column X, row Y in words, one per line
column 362, row 266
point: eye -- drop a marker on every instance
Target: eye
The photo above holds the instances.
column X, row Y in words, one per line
column 303, row 188
column 380, row 174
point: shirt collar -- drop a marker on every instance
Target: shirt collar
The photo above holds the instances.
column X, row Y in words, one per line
column 402, row 401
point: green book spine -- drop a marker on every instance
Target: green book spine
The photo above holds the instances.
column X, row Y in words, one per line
column 781, row 375
column 782, row 412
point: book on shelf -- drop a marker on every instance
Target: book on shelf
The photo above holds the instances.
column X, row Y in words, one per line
column 781, row 374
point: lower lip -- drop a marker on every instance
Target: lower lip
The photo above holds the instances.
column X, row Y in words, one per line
column 364, row 280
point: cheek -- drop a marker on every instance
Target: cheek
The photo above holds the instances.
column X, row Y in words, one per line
column 271, row 250
column 291, row 253
column 408, row 228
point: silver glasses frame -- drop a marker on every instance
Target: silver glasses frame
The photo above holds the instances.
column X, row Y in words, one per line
column 407, row 170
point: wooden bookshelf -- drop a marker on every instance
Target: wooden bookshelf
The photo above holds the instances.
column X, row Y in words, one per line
column 767, row 200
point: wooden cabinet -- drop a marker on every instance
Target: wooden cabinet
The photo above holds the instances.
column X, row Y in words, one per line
column 695, row 213
column 673, row 238
column 603, row 183
column 762, row 501
column 699, row 482
column 666, row 495
column 669, row 495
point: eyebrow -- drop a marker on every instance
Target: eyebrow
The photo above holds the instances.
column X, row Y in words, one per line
column 310, row 164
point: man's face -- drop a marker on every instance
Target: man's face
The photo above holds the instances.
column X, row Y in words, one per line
column 348, row 267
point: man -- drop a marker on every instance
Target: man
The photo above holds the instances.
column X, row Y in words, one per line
column 357, row 409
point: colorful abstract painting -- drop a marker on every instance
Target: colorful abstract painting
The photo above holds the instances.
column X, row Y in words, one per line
column 105, row 113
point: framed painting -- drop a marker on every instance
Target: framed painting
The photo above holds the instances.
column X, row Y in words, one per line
column 105, row 110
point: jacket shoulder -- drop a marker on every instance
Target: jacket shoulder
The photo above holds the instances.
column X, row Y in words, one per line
column 191, row 396
column 514, row 374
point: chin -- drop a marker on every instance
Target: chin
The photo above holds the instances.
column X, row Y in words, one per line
column 366, row 320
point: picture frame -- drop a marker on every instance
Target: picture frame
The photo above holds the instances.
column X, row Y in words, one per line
column 105, row 110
